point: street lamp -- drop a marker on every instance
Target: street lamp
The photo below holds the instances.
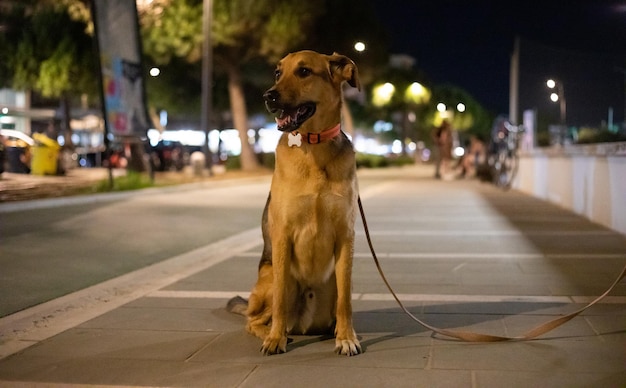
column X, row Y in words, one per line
column 559, row 96
column 359, row 46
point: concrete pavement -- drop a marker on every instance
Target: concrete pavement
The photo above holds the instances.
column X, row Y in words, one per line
column 461, row 254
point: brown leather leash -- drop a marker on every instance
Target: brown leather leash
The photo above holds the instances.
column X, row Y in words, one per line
column 470, row 336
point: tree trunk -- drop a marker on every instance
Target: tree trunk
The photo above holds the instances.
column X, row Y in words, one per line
column 240, row 117
column 65, row 123
column 137, row 159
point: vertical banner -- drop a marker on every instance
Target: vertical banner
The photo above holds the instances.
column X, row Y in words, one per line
column 117, row 34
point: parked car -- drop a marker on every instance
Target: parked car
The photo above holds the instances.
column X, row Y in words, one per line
column 15, row 150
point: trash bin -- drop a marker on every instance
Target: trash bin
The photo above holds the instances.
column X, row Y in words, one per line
column 44, row 153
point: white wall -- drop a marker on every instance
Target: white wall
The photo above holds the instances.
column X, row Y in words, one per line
column 589, row 180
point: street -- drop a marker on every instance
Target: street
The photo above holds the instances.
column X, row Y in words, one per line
column 139, row 280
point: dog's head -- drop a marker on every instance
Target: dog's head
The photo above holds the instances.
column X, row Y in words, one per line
column 308, row 85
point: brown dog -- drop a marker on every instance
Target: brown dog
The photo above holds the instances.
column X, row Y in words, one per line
column 305, row 274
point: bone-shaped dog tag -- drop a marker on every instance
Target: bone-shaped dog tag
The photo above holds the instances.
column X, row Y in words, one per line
column 295, row 139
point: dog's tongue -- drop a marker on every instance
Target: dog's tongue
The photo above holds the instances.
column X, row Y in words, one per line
column 286, row 117
column 283, row 119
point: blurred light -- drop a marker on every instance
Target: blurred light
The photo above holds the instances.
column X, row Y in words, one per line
column 551, row 83
column 382, row 94
column 5, row 110
column 359, row 46
column 417, row 93
column 155, row 71
column 441, row 107
column 382, row 126
column 460, row 107
column 154, row 136
column 554, row 97
column 396, row 147
column 459, row 151
column 412, row 117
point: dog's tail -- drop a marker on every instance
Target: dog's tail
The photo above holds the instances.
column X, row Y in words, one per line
column 237, row 305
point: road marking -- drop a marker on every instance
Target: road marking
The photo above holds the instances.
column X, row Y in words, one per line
column 498, row 233
column 477, row 255
column 374, row 297
column 27, row 327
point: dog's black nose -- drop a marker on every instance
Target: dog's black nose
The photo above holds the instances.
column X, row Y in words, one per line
column 271, row 96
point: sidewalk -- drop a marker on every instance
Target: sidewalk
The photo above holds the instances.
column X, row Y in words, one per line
column 23, row 187
column 20, row 187
column 462, row 255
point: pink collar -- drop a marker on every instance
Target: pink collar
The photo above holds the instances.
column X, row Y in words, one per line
column 316, row 138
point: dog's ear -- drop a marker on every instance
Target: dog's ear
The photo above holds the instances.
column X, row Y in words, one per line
column 344, row 68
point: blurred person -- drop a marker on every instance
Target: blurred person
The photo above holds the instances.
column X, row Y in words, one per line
column 442, row 138
column 475, row 155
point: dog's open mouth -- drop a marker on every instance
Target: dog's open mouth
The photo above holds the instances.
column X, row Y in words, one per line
column 291, row 118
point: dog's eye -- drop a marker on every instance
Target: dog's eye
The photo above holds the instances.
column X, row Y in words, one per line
column 277, row 74
column 304, row 72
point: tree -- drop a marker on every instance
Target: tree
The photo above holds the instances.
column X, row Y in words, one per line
column 242, row 31
column 47, row 47
column 474, row 119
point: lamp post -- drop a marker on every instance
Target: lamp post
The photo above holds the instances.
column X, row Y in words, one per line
column 207, row 76
column 559, row 96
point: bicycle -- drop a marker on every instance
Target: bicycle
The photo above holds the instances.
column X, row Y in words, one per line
column 503, row 158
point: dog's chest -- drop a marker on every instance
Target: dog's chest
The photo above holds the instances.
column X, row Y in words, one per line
column 314, row 215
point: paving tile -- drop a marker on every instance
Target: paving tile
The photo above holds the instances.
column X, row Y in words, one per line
column 329, row 377
column 128, row 344
column 236, row 274
column 382, row 351
column 547, row 378
column 158, row 318
column 123, row 372
column 559, row 356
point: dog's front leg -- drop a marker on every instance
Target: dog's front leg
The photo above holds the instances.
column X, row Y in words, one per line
column 276, row 340
column 346, row 342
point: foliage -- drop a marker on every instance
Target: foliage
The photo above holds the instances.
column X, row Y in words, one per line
column 47, row 47
column 172, row 29
column 241, row 31
column 474, row 120
column 589, row 135
column 377, row 161
column 131, row 181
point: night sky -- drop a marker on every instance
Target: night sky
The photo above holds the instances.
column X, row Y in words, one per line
column 469, row 44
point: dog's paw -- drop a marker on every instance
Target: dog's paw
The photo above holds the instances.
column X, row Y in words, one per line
column 274, row 345
column 348, row 347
